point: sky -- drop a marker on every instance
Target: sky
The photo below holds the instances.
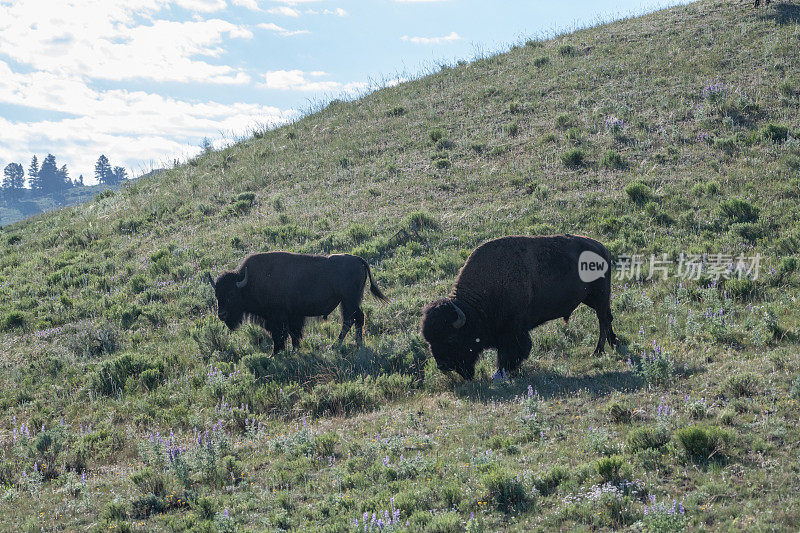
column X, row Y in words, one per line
column 145, row 82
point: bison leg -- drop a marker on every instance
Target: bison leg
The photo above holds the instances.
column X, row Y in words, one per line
column 359, row 322
column 511, row 354
column 348, row 318
column 603, row 317
column 296, row 324
column 279, row 334
column 600, row 300
column 612, row 337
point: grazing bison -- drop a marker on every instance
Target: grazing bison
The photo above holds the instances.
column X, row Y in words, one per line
column 507, row 287
column 281, row 289
column 757, row 3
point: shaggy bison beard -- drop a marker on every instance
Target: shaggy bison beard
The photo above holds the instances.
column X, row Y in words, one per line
column 454, row 348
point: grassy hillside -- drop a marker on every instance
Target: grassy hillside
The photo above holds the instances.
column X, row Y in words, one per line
column 124, row 403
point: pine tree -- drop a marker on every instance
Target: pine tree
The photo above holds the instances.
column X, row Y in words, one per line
column 63, row 174
column 49, row 176
column 120, row 175
column 33, row 173
column 103, row 172
column 13, row 178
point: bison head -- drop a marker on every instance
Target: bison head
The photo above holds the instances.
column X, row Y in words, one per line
column 455, row 335
column 230, row 301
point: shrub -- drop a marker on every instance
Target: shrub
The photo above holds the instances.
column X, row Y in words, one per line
column 541, row 61
column 325, row 444
column 610, row 468
column 13, row 320
column 442, row 163
column 748, row 231
column 148, row 481
column 114, row 510
column 646, row 438
column 512, row 129
column 574, row 158
column 739, row 385
column 738, row 210
column 638, row 192
column 505, row 490
column 602, row 442
column 741, row 289
column 147, row 505
column 436, row 134
column 549, row 482
column 563, row 121
column 341, row 398
column 567, row 50
column 774, row 133
column 702, row 442
column 94, row 341
column 612, row 160
column 111, row 376
column 212, row 337
column 246, row 197
column 419, row 220
column 621, row 414
column 444, row 144
column 725, row 144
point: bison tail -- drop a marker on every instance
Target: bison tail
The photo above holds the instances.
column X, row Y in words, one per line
column 373, row 287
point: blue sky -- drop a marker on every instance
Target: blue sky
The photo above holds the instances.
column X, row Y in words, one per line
column 145, row 81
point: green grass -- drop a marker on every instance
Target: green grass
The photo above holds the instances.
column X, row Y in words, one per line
column 109, row 334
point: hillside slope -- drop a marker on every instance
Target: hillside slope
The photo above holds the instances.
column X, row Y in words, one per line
column 125, row 403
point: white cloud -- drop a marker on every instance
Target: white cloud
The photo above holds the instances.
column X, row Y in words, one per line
column 453, row 36
column 283, row 10
column 271, row 26
column 100, row 39
column 128, row 126
column 61, row 53
column 203, row 6
column 418, row 1
column 296, row 80
column 339, row 12
column 249, row 4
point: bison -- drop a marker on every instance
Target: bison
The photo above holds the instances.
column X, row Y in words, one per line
column 281, row 289
column 507, row 287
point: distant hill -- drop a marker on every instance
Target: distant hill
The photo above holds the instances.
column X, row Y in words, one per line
column 18, row 207
column 14, row 209
column 126, row 404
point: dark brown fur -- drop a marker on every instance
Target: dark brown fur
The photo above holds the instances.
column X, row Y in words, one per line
column 283, row 288
column 507, row 287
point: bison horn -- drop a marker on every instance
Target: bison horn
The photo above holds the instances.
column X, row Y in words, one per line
column 462, row 318
column 211, row 281
column 240, row 284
